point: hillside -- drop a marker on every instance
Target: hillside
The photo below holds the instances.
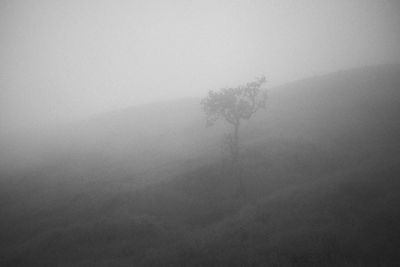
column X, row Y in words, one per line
column 151, row 186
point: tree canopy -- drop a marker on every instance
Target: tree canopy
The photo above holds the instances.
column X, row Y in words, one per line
column 235, row 103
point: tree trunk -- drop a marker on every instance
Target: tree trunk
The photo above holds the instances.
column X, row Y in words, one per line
column 236, row 144
column 236, row 161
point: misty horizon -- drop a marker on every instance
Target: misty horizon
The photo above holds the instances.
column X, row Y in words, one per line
column 63, row 62
column 52, row 124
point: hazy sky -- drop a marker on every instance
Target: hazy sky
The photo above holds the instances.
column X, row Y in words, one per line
column 68, row 59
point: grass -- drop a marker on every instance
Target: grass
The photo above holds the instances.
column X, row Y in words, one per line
column 335, row 217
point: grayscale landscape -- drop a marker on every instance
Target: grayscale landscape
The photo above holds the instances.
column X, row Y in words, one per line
column 300, row 168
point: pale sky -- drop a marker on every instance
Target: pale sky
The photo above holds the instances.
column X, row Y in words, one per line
column 62, row 60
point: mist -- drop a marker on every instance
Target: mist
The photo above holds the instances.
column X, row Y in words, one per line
column 199, row 133
column 63, row 61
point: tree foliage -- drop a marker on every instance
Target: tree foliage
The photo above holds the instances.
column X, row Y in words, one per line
column 236, row 103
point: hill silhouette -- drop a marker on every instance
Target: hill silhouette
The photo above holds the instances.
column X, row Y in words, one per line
column 151, row 186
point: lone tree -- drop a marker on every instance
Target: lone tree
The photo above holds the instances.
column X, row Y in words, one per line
column 234, row 105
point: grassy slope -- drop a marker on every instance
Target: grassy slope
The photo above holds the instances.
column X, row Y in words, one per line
column 321, row 169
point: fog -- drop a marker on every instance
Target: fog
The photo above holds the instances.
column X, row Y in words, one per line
column 66, row 60
column 114, row 151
